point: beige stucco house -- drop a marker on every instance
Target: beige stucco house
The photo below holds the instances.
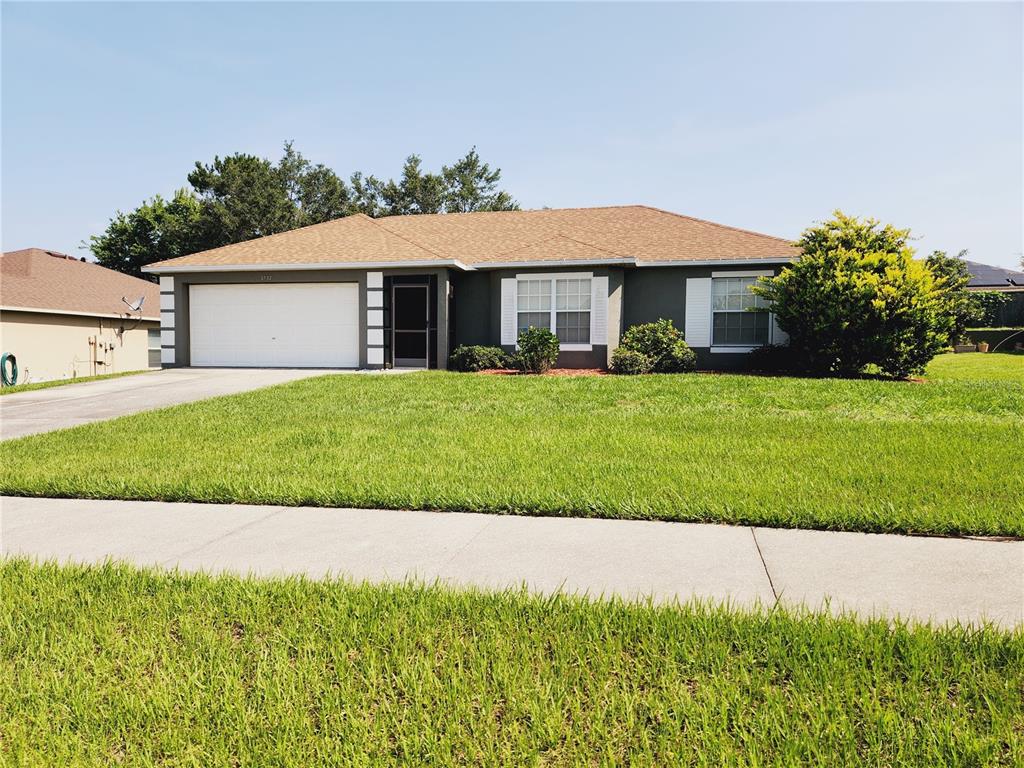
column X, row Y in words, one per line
column 64, row 318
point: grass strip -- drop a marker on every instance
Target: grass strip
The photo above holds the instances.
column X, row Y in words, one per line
column 109, row 664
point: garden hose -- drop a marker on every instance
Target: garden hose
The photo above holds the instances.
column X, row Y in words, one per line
column 9, row 379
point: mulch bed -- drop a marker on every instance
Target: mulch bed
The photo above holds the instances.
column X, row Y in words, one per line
column 552, row 372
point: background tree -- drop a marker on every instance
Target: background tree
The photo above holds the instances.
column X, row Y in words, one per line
column 158, row 229
column 856, row 297
column 954, row 275
column 471, row 185
column 241, row 197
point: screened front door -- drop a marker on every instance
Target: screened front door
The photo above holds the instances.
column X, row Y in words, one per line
column 410, row 325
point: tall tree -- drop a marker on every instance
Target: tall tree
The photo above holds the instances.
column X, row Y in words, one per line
column 242, row 198
column 471, row 185
column 158, row 229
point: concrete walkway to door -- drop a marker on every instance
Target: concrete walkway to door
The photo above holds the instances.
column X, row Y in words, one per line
column 941, row 580
column 43, row 410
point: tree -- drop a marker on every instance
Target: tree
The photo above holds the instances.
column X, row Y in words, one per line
column 953, row 276
column 317, row 193
column 472, row 186
column 242, row 197
column 857, row 297
column 158, row 229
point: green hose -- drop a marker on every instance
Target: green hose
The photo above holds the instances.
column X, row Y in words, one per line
column 9, row 379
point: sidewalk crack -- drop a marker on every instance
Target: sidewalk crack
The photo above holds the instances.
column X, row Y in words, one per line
column 757, row 544
column 175, row 558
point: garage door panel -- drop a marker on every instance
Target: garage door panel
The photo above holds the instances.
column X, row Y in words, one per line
column 280, row 325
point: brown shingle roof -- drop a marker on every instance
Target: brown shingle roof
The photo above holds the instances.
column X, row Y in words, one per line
column 46, row 280
column 634, row 232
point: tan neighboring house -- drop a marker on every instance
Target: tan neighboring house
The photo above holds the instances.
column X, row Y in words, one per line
column 63, row 318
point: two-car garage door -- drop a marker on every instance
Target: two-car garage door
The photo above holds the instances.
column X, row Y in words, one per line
column 281, row 325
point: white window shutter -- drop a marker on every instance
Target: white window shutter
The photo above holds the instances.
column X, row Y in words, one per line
column 779, row 336
column 697, row 329
column 599, row 310
column 508, row 310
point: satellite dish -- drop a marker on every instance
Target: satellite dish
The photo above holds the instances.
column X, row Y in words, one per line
column 134, row 306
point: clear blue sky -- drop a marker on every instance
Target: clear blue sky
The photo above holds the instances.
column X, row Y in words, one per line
column 764, row 116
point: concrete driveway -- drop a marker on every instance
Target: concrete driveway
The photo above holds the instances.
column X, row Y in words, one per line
column 43, row 410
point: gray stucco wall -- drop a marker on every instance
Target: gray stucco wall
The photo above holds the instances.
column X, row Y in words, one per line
column 183, row 281
column 478, row 311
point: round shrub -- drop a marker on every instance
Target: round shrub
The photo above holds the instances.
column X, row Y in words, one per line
column 661, row 343
column 857, row 297
column 629, row 363
column 477, row 358
column 538, row 350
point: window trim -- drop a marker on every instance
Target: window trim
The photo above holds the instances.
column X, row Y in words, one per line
column 737, row 348
column 553, row 276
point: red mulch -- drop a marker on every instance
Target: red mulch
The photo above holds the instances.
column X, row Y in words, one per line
column 552, row 372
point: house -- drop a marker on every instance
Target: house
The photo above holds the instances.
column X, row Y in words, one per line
column 62, row 317
column 1009, row 282
column 403, row 291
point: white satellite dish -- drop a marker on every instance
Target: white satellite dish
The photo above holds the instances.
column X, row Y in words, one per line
column 134, row 306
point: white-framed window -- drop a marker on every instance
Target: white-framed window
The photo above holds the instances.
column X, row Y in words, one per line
column 153, row 344
column 738, row 317
column 562, row 304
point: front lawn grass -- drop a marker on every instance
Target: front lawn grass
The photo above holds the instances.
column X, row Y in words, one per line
column 111, row 665
column 978, row 366
column 854, row 455
column 31, row 386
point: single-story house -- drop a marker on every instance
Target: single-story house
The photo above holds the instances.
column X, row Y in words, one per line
column 985, row 277
column 63, row 318
column 403, row 291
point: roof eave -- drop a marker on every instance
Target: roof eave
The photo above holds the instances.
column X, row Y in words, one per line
column 156, row 269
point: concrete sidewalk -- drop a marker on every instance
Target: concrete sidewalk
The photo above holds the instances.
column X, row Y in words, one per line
column 941, row 580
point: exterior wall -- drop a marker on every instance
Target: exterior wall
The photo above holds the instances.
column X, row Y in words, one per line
column 652, row 293
column 478, row 311
column 175, row 296
column 50, row 346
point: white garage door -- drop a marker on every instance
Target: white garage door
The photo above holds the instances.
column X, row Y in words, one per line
column 284, row 325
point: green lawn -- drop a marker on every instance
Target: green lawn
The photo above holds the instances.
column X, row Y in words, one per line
column 61, row 382
column 976, row 366
column 934, row 457
column 111, row 665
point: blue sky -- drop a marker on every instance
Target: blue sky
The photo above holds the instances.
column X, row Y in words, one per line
column 765, row 116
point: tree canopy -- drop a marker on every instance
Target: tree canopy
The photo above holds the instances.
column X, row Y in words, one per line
column 241, row 196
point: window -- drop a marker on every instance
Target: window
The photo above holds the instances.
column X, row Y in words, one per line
column 562, row 305
column 739, row 317
column 153, row 339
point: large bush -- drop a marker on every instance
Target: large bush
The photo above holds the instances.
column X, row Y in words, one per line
column 856, row 296
column 477, row 358
column 538, row 350
column 662, row 344
column 629, row 363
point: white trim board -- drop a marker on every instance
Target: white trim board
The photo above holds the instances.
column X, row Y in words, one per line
column 44, row 311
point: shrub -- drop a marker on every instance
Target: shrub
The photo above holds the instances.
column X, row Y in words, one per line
column 477, row 358
column 856, row 297
column 986, row 306
column 538, row 350
column 662, row 344
column 629, row 362
column 774, row 358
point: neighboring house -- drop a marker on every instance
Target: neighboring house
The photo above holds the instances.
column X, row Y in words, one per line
column 404, row 290
column 985, row 277
column 64, row 318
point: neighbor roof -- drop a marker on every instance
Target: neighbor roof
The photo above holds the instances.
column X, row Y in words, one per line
column 627, row 234
column 48, row 281
column 987, row 276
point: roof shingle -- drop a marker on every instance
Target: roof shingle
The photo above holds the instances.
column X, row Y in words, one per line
column 46, row 280
column 484, row 239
